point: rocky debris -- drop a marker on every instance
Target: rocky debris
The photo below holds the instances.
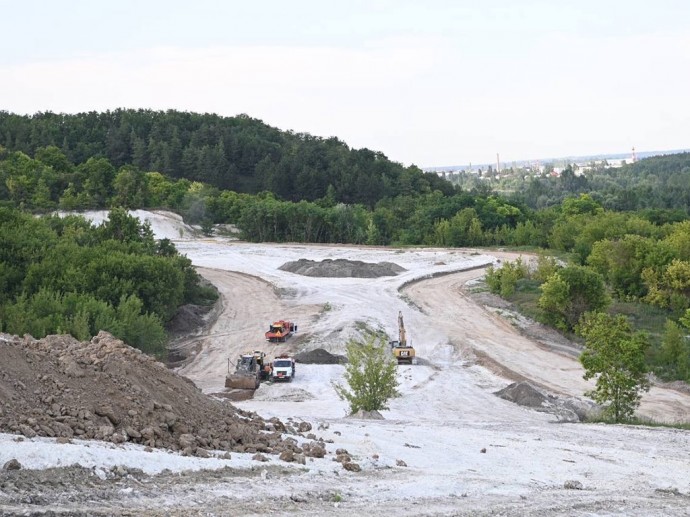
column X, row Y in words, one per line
column 304, row 427
column 400, row 463
column 342, row 458
column 352, row 467
column 342, row 268
column 103, row 389
column 572, row 485
column 320, row 356
column 287, row 456
column 314, row 449
column 13, row 464
column 483, row 450
column 260, row 457
column 528, row 395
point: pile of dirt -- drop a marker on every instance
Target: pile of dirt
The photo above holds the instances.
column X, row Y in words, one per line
column 106, row 390
column 188, row 319
column 320, row 356
column 342, row 268
column 524, row 394
column 566, row 409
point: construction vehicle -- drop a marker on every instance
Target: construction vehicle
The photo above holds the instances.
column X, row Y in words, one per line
column 280, row 330
column 263, row 364
column 283, row 369
column 248, row 371
column 404, row 353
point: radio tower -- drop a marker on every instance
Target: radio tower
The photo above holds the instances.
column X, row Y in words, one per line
column 634, row 156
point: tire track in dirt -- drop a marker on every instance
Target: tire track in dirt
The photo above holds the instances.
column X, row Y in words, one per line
column 250, row 304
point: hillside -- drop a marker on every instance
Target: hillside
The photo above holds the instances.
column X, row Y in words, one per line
column 230, row 153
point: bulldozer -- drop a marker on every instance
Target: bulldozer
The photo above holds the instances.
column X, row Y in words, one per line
column 404, row 353
column 248, row 371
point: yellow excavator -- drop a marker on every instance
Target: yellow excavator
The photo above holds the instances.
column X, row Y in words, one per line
column 403, row 352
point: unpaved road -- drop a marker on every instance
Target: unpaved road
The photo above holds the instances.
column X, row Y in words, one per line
column 476, row 334
column 249, row 304
column 472, row 328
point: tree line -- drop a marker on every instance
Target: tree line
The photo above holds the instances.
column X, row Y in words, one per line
column 659, row 185
column 327, row 193
column 239, row 153
column 64, row 275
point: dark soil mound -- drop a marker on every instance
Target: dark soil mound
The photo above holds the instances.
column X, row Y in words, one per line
column 341, row 268
column 107, row 390
column 320, row 356
column 523, row 394
column 188, row 319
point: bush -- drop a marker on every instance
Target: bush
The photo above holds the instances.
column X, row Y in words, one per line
column 502, row 281
column 370, row 374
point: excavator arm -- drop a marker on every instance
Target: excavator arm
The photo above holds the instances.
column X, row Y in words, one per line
column 401, row 330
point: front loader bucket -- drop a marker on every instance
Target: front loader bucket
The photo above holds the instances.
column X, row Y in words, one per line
column 242, row 382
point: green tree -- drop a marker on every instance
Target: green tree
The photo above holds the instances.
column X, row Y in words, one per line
column 547, row 265
column 675, row 351
column 370, row 375
column 670, row 287
column 130, row 188
column 503, row 280
column 569, row 293
column 615, row 356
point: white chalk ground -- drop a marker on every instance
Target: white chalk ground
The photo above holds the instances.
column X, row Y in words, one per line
column 465, row 449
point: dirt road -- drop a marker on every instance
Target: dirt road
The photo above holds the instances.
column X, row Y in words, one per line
column 477, row 335
column 502, row 347
column 249, row 306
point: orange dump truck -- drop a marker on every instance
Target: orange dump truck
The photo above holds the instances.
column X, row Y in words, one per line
column 280, row 330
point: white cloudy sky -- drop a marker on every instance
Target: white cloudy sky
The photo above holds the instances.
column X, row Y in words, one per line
column 433, row 83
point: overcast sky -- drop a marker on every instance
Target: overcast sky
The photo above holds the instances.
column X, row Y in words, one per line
column 430, row 82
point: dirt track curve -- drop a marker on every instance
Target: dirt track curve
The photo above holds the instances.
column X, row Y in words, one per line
column 476, row 333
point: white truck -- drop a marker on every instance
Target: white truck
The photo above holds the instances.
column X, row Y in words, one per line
column 283, row 369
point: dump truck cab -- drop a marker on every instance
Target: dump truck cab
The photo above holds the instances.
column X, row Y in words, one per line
column 283, row 369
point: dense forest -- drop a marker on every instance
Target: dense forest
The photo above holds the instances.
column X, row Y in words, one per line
column 658, row 184
column 230, row 153
column 63, row 275
column 278, row 186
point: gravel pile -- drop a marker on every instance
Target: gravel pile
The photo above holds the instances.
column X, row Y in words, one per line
column 320, row 356
column 342, row 268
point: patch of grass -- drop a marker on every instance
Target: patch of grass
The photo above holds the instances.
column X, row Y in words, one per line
column 526, row 297
column 642, row 316
column 337, row 498
column 327, row 307
column 646, row 422
column 204, row 294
